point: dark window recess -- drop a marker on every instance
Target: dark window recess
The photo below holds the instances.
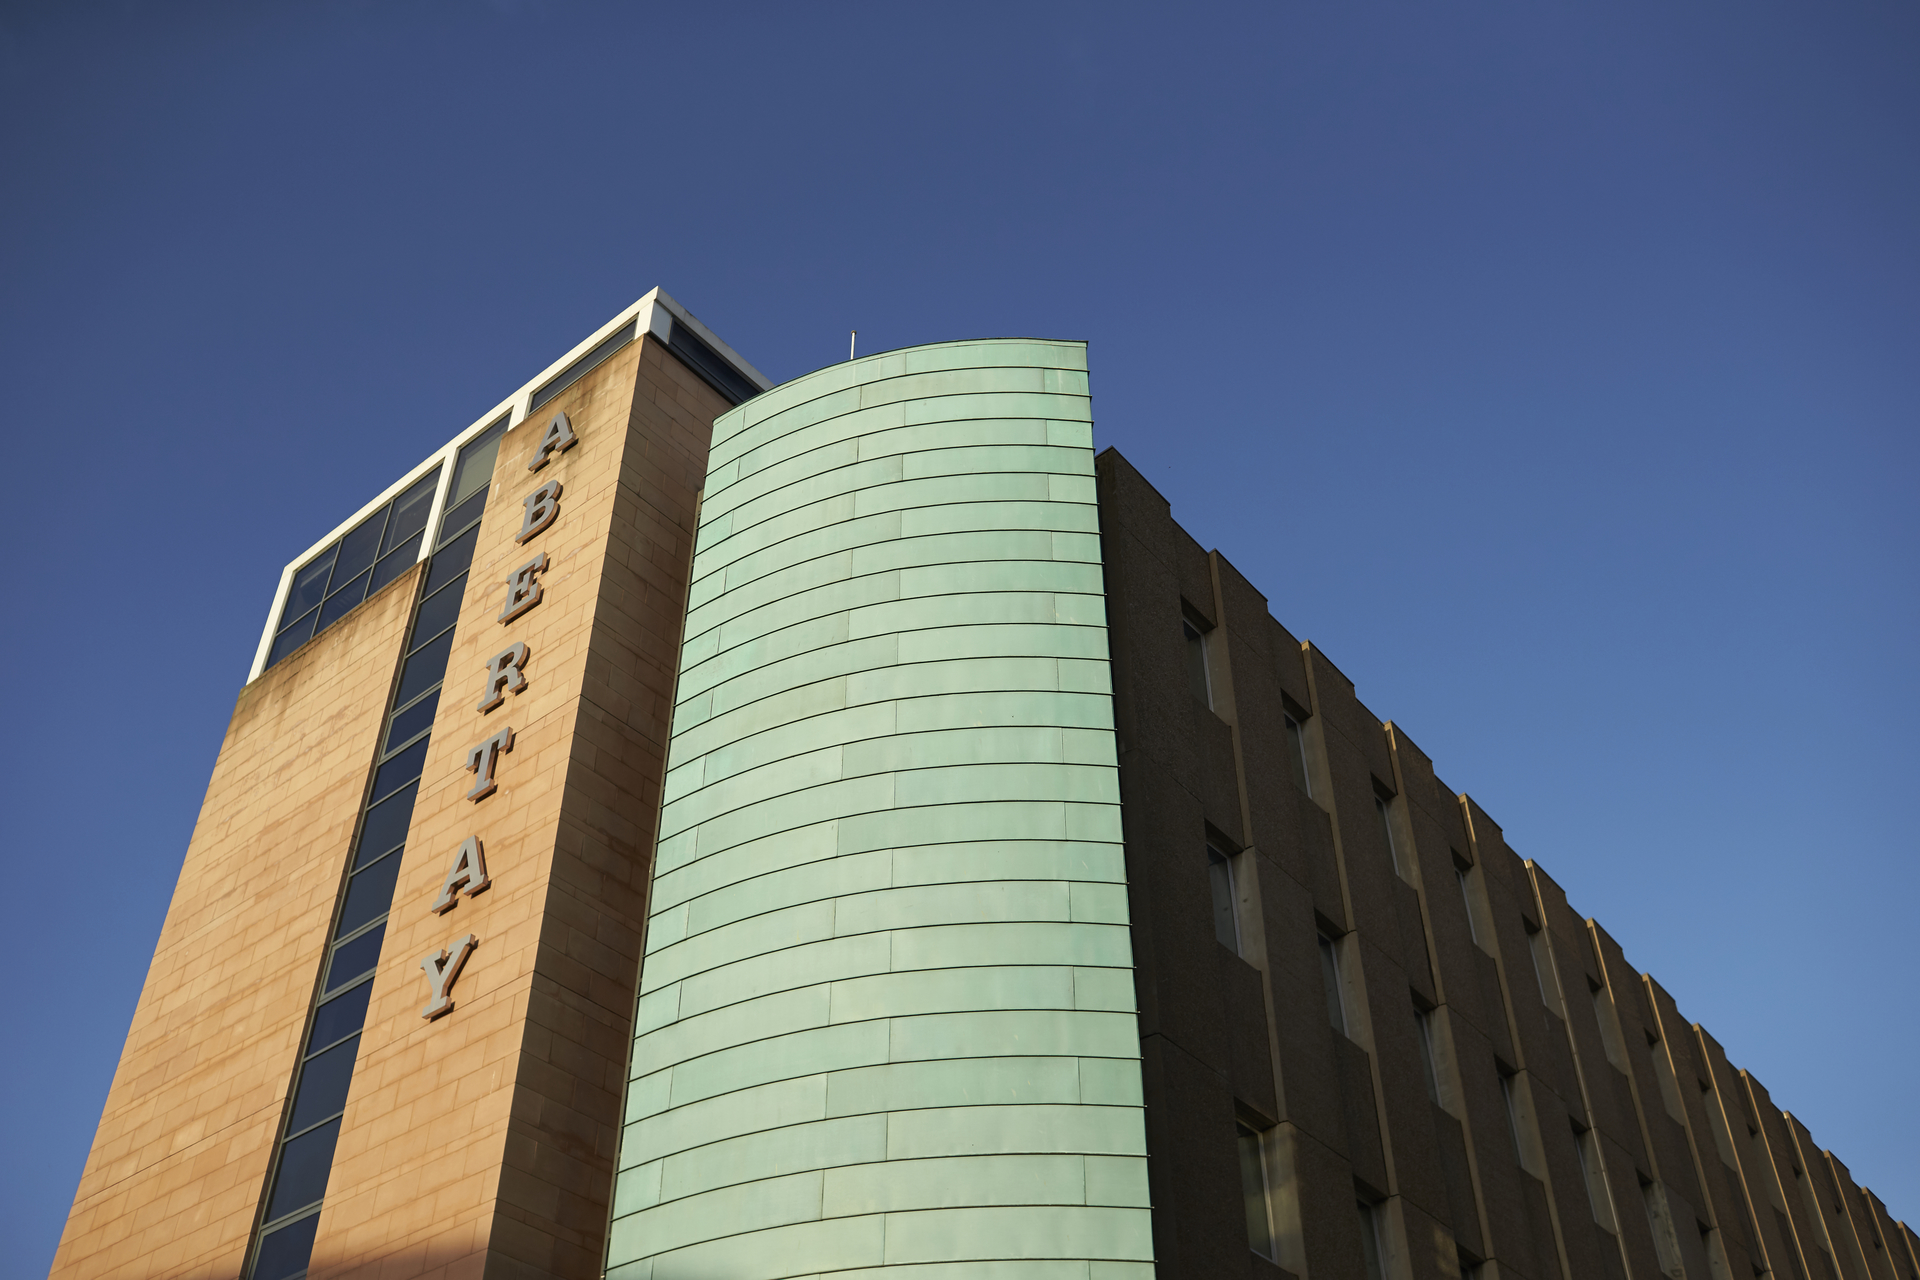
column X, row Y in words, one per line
column 286, row 1252
column 386, row 825
column 305, row 1162
column 355, row 959
column 323, row 1085
column 346, row 573
column 709, row 364
column 370, row 892
column 1226, row 925
column 340, row 1017
column 416, row 719
column 585, row 364
column 306, row 1151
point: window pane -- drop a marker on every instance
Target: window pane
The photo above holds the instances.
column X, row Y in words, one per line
column 309, row 584
column 287, row 1251
column 292, row 638
column 352, row 959
column 410, row 511
column 585, row 364
column 403, row 768
column 359, row 549
column 415, row 719
column 1330, row 976
column 370, row 892
column 304, row 1165
column 464, row 514
column 474, row 471
column 1197, row 662
column 1253, row 1190
column 425, row 667
column 1297, row 746
column 341, row 601
column 1370, row 1240
column 386, row 825
column 323, row 1085
column 1225, row 925
column 450, row 561
column 340, row 1017
column 439, row 610
column 396, row 563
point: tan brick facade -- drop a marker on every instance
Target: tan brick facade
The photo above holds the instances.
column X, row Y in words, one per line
column 178, row 1163
column 480, row 1143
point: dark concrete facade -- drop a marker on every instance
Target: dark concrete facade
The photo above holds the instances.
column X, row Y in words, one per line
column 1507, row 1097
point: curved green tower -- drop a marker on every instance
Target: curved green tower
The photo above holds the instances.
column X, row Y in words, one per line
column 887, row 1006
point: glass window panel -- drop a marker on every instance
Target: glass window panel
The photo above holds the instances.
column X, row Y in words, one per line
column 1253, row 1191
column 286, row 1252
column 1226, row 925
column 370, row 892
column 341, row 601
column 305, row 1163
column 417, row 718
column 474, row 471
column 439, row 610
column 359, row 549
column 323, row 1086
column 463, row 515
column 397, row 562
column 386, row 825
column 450, row 561
column 340, row 1017
column 401, row 769
column 292, row 638
column 585, row 364
column 410, row 511
column 425, row 667
column 352, row 959
column 309, row 583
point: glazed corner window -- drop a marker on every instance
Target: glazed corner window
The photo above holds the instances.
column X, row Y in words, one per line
column 1383, row 807
column 1253, row 1191
column 375, row 552
column 1226, row 924
column 1197, row 676
column 1370, row 1250
column 1429, row 1058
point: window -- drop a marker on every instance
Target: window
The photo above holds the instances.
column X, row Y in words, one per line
column 709, row 364
column 304, row 1158
column 1226, row 924
column 1197, row 676
column 369, row 556
column 1253, row 1191
column 1297, row 749
column 1383, row 806
column 1722, row 1135
column 1587, row 1145
column 1429, row 1059
column 1372, row 1255
column 1608, row 1017
column 584, row 365
column 1542, row 965
column 1669, row 1085
column 1330, row 975
column 1509, row 1096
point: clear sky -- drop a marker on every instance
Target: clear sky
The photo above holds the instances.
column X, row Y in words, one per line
column 1554, row 367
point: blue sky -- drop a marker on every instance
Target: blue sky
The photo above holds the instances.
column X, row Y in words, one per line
column 1553, row 367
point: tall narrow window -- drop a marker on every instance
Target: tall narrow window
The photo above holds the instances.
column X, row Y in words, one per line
column 1514, row 1131
column 1197, row 674
column 1297, row 750
column 1383, row 807
column 1330, row 975
column 1669, row 1084
column 1542, row 967
column 1609, row 1020
column 1463, row 876
column 1370, row 1251
column 1594, row 1176
column 1226, row 924
column 1429, row 1060
column 1253, row 1191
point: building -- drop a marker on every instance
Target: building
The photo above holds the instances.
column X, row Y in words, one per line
column 694, row 828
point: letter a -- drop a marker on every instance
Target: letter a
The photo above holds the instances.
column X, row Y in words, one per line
column 557, row 438
column 469, row 872
column 442, row 967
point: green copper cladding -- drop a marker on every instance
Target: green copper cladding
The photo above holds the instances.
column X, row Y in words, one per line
column 887, row 1009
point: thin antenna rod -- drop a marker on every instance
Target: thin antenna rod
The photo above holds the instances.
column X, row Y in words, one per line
column 851, row 335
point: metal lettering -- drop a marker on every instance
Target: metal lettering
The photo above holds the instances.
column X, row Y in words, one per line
column 522, row 591
column 482, row 759
column 503, row 676
column 543, row 504
column 442, row 967
column 468, row 875
column 557, row 438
